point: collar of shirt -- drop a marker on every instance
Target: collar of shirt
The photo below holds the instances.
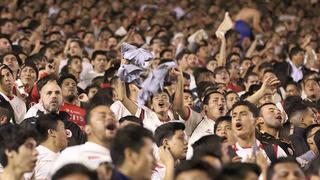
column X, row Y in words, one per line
column 42, row 148
column 119, row 176
column 97, row 147
column 297, row 73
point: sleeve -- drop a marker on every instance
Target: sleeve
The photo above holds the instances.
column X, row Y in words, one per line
column 192, row 122
column 66, row 157
column 281, row 152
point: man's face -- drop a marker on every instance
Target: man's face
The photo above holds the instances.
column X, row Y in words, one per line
column 89, row 40
column 188, row 101
column 231, row 99
column 61, row 135
column 224, row 130
column 192, row 60
column 216, row 106
column 178, row 145
column 287, row 171
column 183, row 63
column 272, row 116
column 298, row 58
column 5, row 46
column 222, row 77
column 144, row 160
column 291, row 90
column 234, row 71
column 309, row 117
column 51, row 96
column 160, row 102
column 243, row 122
column 26, row 157
column 100, row 63
column 6, row 82
column 76, row 65
column 28, row 76
column 312, row 90
column 75, row 49
column 11, row 61
column 102, row 124
column 69, row 88
column 251, row 81
column 193, row 174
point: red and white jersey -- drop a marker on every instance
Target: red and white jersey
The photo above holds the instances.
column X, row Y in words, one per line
column 246, row 152
column 158, row 172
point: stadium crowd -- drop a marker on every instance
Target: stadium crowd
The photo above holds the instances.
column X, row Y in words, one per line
column 160, row 90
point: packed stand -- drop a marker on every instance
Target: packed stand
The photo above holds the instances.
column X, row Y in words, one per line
column 160, row 90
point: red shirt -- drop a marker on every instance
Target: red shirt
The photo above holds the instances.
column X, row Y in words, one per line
column 77, row 114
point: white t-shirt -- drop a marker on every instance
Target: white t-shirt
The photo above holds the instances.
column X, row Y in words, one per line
column 89, row 154
column 45, row 161
column 19, row 107
column 151, row 120
column 246, row 152
column 120, row 110
column 200, row 126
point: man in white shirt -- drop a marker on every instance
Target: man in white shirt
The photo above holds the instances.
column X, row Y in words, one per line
column 16, row 107
column 53, row 139
column 100, row 63
column 100, row 129
column 244, row 118
column 296, row 62
column 199, row 124
column 172, row 143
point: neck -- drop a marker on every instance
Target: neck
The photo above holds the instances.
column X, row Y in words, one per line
column 101, row 143
column 12, row 173
column 272, row 131
column 163, row 116
column 296, row 64
column 6, row 92
column 127, row 172
column 246, row 141
column 50, row 145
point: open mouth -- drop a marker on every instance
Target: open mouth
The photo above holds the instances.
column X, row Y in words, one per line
column 239, row 126
column 161, row 104
column 221, row 109
column 111, row 127
column 279, row 118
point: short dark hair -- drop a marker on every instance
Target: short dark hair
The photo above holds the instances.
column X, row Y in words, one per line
column 71, row 169
column 11, row 138
column 42, row 82
column 295, row 50
column 252, row 108
column 238, row 171
column 131, row 119
column 270, row 171
column 3, row 66
column 220, row 120
column 167, row 130
column 98, row 52
column 190, row 165
column 207, row 96
column 66, row 76
column 94, row 102
column 46, row 122
column 130, row 136
column 207, row 145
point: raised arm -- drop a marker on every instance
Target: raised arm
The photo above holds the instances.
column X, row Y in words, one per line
column 269, row 86
column 178, row 102
column 222, row 53
column 122, row 96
